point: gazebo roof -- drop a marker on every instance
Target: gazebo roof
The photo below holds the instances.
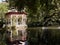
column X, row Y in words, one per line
column 10, row 13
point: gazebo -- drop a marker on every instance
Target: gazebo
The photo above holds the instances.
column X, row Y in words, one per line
column 16, row 24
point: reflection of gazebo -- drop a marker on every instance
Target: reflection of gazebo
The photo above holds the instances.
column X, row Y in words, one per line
column 16, row 23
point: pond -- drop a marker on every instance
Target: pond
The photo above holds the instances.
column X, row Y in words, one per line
column 39, row 36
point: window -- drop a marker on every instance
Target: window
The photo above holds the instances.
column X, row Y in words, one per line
column 20, row 20
column 13, row 20
column 8, row 21
column 24, row 19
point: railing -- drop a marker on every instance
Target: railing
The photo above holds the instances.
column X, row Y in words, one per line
column 50, row 27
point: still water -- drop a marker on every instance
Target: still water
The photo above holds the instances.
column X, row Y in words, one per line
column 38, row 36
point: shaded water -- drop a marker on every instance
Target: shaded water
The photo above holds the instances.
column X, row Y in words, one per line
column 38, row 36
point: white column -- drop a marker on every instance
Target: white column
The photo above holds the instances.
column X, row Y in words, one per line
column 11, row 20
column 17, row 20
column 17, row 24
column 22, row 18
column 11, row 34
column 17, row 31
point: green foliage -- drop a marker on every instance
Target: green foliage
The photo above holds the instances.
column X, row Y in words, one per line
column 2, row 37
column 2, row 32
column 44, row 11
column 3, row 9
column 20, row 4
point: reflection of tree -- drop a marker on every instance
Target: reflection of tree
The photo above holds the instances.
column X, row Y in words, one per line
column 14, row 33
column 13, row 27
column 19, row 34
column 46, row 37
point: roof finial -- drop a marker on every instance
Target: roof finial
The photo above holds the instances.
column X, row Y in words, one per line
column 12, row 9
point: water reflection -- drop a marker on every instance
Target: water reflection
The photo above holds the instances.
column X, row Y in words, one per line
column 38, row 36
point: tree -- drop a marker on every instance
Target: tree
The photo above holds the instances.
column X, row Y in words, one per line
column 3, row 9
column 44, row 11
column 20, row 4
